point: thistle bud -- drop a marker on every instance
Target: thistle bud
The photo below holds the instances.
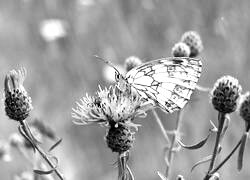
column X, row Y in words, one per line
column 244, row 108
column 193, row 40
column 17, row 102
column 225, row 94
column 119, row 138
column 132, row 62
column 180, row 49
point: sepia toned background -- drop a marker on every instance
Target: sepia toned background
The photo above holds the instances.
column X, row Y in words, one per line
column 56, row 40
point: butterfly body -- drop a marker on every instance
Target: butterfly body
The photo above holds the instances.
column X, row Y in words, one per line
column 168, row 82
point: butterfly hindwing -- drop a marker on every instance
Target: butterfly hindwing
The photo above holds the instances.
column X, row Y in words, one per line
column 169, row 82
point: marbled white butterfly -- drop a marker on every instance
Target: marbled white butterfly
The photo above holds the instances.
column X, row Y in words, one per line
column 168, row 82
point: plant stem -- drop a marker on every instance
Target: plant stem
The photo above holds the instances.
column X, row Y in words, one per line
column 173, row 142
column 163, row 130
column 122, row 165
column 43, row 153
column 227, row 158
column 221, row 119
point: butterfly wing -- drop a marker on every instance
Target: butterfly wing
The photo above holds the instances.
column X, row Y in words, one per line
column 169, row 82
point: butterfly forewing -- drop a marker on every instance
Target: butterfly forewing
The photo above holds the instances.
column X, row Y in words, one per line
column 169, row 82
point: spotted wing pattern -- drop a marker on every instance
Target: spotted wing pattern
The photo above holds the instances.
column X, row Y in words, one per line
column 169, row 82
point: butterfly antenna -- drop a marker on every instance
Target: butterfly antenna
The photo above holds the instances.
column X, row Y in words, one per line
column 107, row 62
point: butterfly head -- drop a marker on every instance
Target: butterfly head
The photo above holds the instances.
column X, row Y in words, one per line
column 121, row 81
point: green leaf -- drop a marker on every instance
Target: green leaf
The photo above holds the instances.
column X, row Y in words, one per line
column 55, row 145
column 161, row 176
column 195, row 146
column 214, row 129
column 41, row 172
column 241, row 151
column 202, row 161
column 130, row 174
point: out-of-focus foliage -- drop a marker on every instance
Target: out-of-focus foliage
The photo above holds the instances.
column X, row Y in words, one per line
column 61, row 68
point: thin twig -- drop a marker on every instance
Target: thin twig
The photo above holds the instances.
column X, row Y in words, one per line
column 227, row 158
column 43, row 153
column 163, row 130
column 170, row 156
column 221, row 120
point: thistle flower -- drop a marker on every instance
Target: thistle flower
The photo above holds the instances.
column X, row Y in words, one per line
column 119, row 138
column 193, row 40
column 17, row 102
column 225, row 94
column 244, row 108
column 109, row 106
column 181, row 49
column 132, row 62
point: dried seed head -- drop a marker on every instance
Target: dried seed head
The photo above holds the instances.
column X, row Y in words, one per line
column 17, row 102
column 244, row 107
column 225, row 94
column 132, row 62
column 181, row 49
column 193, row 40
column 119, row 138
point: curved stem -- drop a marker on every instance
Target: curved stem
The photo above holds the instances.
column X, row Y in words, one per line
column 173, row 142
column 41, row 151
column 227, row 158
column 122, row 165
column 221, row 119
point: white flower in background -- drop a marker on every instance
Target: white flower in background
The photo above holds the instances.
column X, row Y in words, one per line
column 109, row 72
column 52, row 29
column 5, row 152
column 86, row 2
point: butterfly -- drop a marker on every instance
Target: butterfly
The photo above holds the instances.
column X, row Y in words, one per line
column 168, row 82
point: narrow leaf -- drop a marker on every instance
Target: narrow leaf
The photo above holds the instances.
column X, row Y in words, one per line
column 41, row 172
column 202, row 161
column 195, row 146
column 226, row 124
column 22, row 132
column 214, row 129
column 161, row 176
column 55, row 145
column 241, row 151
column 130, row 174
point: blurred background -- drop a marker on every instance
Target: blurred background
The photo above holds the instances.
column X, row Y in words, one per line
column 56, row 40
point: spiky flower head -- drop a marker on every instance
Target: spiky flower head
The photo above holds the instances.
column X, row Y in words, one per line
column 244, row 107
column 132, row 62
column 225, row 94
column 108, row 106
column 193, row 40
column 17, row 101
column 180, row 49
column 119, row 138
